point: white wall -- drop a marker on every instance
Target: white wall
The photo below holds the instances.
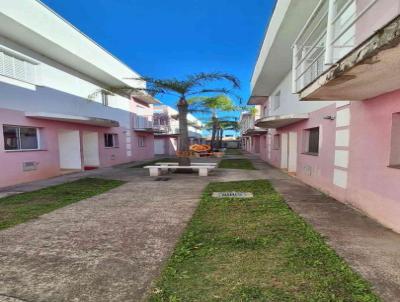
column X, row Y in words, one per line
column 290, row 103
column 54, row 75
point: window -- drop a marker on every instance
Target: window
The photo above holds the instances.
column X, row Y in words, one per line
column 104, row 98
column 277, row 100
column 111, row 140
column 141, row 141
column 277, row 142
column 20, row 138
column 13, row 67
column 312, row 141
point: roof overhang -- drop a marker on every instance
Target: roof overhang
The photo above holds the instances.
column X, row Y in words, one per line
column 279, row 121
column 257, row 100
column 255, row 132
column 275, row 56
column 94, row 121
column 369, row 70
column 146, row 98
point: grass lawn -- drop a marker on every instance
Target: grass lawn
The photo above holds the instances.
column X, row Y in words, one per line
column 236, row 164
column 25, row 206
column 233, row 152
column 255, row 250
column 152, row 162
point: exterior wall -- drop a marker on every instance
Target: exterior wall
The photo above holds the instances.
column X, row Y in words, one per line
column 289, row 102
column 47, row 158
column 59, row 89
column 375, row 18
column 343, row 167
column 373, row 186
column 53, row 76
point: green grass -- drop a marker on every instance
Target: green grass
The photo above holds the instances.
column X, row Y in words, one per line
column 236, row 164
column 152, row 162
column 233, row 152
column 255, row 250
column 22, row 207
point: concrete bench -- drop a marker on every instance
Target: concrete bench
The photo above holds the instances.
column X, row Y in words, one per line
column 156, row 170
column 177, row 164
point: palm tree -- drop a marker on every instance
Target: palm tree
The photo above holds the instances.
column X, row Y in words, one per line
column 226, row 125
column 213, row 104
column 190, row 86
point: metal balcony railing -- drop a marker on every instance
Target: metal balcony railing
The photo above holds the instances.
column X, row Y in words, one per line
column 143, row 122
column 328, row 35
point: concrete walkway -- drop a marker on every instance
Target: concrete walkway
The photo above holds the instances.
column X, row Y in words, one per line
column 110, row 247
column 369, row 248
column 106, row 248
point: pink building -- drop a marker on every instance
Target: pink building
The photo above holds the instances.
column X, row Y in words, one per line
column 328, row 88
column 57, row 114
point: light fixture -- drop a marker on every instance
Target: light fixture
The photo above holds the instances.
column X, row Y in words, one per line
column 329, row 117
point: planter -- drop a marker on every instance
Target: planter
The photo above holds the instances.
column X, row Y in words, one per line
column 219, row 154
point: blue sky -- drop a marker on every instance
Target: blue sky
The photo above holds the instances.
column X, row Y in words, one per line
column 173, row 38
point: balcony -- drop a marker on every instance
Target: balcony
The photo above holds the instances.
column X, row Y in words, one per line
column 144, row 123
column 338, row 38
column 158, row 124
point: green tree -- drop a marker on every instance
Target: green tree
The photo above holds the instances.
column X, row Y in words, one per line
column 213, row 104
column 195, row 85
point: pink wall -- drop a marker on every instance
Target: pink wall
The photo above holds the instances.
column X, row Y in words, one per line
column 381, row 13
column 48, row 158
column 373, row 186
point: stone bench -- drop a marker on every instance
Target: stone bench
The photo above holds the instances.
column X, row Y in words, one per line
column 156, row 170
column 177, row 164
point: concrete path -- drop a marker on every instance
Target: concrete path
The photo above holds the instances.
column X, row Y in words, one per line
column 369, row 248
column 106, row 248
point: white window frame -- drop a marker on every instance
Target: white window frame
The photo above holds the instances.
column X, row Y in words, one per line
column 141, row 141
column 115, row 140
column 19, row 149
column 306, row 147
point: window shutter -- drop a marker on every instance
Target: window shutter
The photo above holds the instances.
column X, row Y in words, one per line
column 16, row 68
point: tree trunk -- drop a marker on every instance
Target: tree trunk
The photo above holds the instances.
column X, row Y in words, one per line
column 221, row 136
column 214, row 135
column 183, row 145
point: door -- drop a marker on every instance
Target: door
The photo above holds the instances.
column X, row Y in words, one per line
column 159, row 146
column 90, row 142
column 292, row 157
column 69, row 150
column 284, row 150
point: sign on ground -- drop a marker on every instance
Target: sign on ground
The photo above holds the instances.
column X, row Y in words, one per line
column 232, row 194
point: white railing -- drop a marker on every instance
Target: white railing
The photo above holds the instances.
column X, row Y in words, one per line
column 328, row 35
column 142, row 122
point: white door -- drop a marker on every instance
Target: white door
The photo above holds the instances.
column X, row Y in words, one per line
column 159, row 146
column 284, row 151
column 292, row 158
column 69, row 149
column 90, row 144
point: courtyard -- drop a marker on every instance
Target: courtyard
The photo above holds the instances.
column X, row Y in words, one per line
column 139, row 238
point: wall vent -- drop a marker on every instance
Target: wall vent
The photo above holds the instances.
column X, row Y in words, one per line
column 29, row 166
